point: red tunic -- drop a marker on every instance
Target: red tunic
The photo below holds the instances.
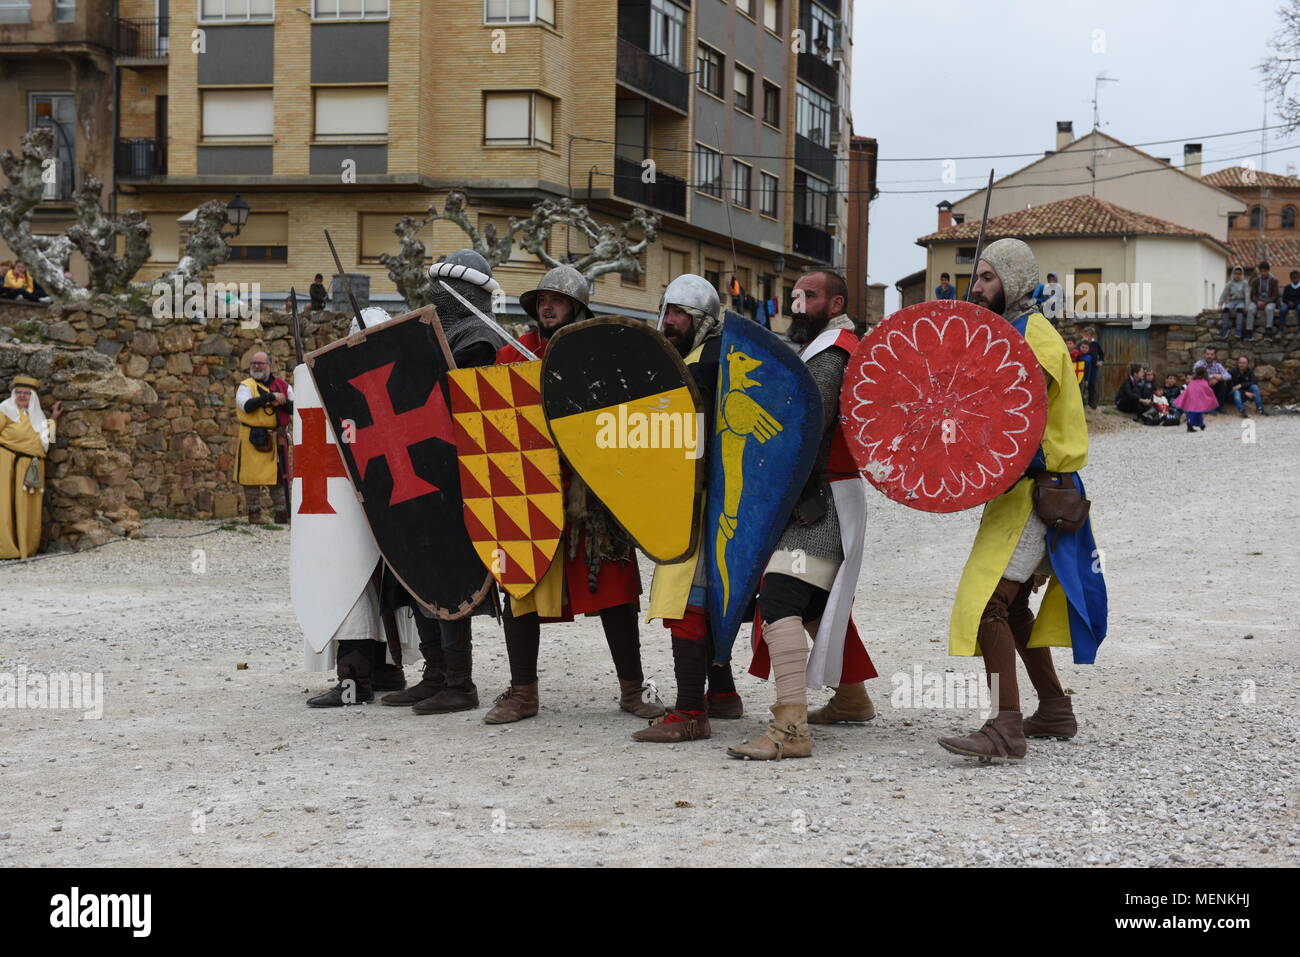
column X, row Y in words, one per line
column 617, row 583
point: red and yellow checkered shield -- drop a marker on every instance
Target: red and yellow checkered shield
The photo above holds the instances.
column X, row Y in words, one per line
column 509, row 471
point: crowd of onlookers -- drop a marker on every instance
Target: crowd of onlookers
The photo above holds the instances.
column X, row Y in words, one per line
column 1208, row 390
column 1263, row 294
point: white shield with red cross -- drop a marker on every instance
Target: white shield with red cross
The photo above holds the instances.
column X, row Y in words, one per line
column 331, row 551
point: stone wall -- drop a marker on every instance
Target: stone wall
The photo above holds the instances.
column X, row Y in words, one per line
column 149, row 421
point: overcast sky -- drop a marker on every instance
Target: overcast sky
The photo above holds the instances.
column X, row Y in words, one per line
column 945, row 78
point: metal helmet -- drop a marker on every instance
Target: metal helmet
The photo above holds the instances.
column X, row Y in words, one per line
column 690, row 290
column 565, row 280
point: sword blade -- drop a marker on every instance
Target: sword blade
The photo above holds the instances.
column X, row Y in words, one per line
column 488, row 321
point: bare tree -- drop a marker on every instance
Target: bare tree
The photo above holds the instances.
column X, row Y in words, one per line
column 613, row 248
column 1282, row 68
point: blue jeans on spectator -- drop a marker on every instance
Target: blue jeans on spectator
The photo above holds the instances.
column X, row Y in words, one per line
column 1241, row 405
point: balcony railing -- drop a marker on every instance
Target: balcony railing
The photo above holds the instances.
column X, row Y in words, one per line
column 813, row 242
column 145, row 39
column 814, row 158
column 643, row 71
column 667, row 193
column 819, row 74
column 139, row 158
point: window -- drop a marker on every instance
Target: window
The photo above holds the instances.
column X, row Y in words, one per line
column 823, row 32
column 1232, row 220
column 13, row 11
column 709, row 67
column 668, row 32
column 708, row 171
column 813, row 115
column 517, row 119
column 811, row 200
column 1087, row 283
column 232, row 11
column 679, row 264
column 1256, row 217
column 713, row 273
column 632, row 129
column 265, row 238
column 349, row 9
column 518, row 11
column 237, row 114
column 768, row 190
column 58, row 110
column 744, row 84
column 165, row 240
column 772, row 15
column 746, row 7
column 349, row 113
column 1288, row 217
column 771, row 104
column 631, row 278
column 376, row 234
column 742, row 176
column 965, row 255
column 517, row 252
column 65, row 11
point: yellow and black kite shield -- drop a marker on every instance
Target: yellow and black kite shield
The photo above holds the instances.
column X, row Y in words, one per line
column 626, row 415
column 509, row 471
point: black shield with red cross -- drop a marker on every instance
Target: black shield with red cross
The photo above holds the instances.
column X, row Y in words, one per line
column 385, row 396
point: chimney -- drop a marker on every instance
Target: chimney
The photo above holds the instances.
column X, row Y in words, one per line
column 1064, row 133
column 945, row 215
column 1192, row 159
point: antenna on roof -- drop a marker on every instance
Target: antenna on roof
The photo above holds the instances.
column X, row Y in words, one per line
column 1096, row 121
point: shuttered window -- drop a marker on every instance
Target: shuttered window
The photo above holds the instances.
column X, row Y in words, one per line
column 237, row 114
column 351, row 112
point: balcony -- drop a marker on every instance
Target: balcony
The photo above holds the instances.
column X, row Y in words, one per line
column 814, row 158
column 813, row 242
column 666, row 193
column 142, row 39
column 818, row 74
column 648, row 74
column 140, row 158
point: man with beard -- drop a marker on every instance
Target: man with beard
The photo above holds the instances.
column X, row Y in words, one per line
column 263, row 404
column 594, row 571
column 810, row 579
column 447, row 684
column 1014, row 550
column 688, row 318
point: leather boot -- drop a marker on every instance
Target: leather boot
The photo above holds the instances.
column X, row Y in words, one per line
column 1000, row 737
column 515, row 704
column 724, row 704
column 459, row 694
column 849, row 703
column 385, row 676
column 675, row 727
column 281, row 516
column 631, row 700
column 354, row 683
column 433, row 681
column 786, row 737
column 1053, row 719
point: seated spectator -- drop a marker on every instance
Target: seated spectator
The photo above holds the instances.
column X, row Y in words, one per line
column 318, row 293
column 1264, row 294
column 1233, row 298
column 1291, row 299
column 1244, row 384
column 1172, row 388
column 1217, row 377
column 945, row 289
column 19, row 284
column 1132, row 397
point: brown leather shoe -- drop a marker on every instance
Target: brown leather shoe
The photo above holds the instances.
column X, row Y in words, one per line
column 1000, row 737
column 849, row 703
column 724, row 704
column 631, row 699
column 459, row 694
column 675, row 727
column 1053, row 719
column 388, row 677
column 514, row 704
column 786, row 737
column 434, row 679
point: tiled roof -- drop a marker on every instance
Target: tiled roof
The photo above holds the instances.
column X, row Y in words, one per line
column 1239, row 177
column 1282, row 255
column 1076, row 216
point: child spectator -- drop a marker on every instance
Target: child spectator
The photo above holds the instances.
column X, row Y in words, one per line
column 1197, row 399
column 1291, row 299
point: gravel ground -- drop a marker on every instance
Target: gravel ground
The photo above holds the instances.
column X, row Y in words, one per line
column 1187, row 751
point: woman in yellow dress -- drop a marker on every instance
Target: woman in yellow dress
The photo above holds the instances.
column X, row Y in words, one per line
column 25, row 436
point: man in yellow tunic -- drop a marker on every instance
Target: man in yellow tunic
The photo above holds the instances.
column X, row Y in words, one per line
column 1014, row 551
column 263, row 403
column 25, row 436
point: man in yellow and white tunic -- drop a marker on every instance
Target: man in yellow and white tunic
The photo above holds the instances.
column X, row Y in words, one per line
column 264, row 405
column 1015, row 551
column 25, row 437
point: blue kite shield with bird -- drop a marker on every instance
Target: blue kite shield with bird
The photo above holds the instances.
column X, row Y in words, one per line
column 767, row 430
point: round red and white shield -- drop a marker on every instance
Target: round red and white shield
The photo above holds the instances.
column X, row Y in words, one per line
column 944, row 406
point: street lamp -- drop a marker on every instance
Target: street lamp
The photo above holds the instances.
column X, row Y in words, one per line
column 778, row 265
column 237, row 214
